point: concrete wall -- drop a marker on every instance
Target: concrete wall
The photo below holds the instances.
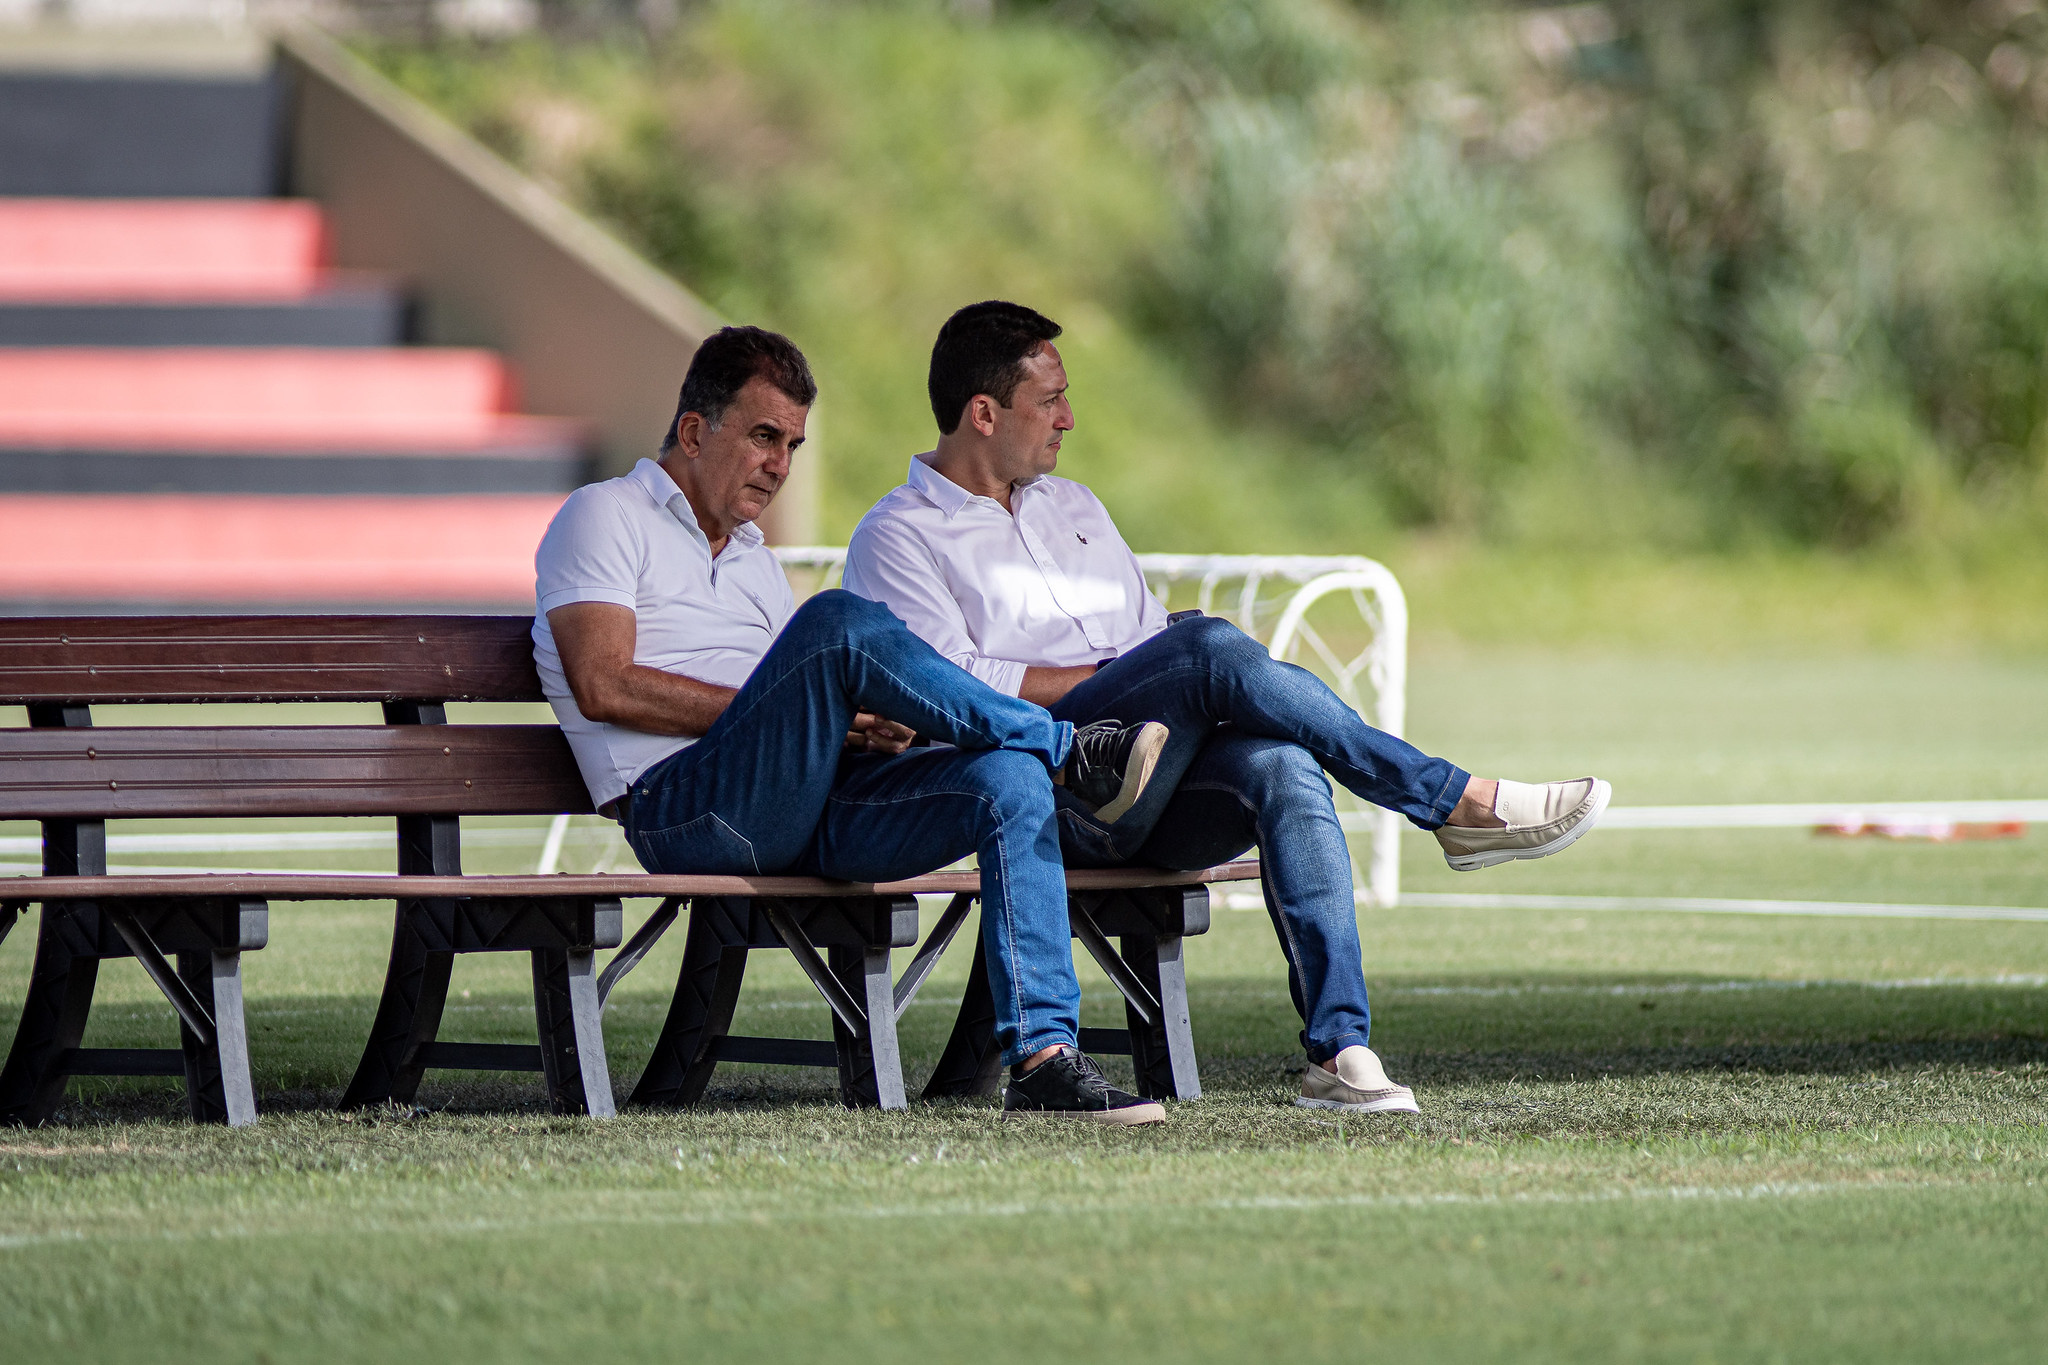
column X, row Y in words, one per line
column 593, row 331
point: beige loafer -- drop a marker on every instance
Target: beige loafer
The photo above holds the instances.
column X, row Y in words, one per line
column 1358, row 1086
column 1541, row 820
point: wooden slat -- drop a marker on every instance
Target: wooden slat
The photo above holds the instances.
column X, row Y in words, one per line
column 89, row 659
column 341, row 886
column 220, row 772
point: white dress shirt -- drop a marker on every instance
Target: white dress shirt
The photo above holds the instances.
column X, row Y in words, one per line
column 634, row 542
column 1053, row 585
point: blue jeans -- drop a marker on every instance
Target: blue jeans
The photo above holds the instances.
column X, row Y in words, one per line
column 770, row 788
column 1251, row 741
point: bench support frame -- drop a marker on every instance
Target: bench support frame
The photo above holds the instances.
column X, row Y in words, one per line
column 563, row 935
column 1149, row 973
column 853, row 977
column 208, row 937
column 858, row 934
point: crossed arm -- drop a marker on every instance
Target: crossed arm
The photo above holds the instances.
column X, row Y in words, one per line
column 595, row 640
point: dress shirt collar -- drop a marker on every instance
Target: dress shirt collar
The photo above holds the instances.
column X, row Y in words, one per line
column 944, row 494
column 655, row 482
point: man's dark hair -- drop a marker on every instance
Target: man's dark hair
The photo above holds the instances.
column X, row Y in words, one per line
column 982, row 349
column 729, row 358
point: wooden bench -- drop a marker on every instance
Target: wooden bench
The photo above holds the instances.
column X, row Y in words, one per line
column 425, row 774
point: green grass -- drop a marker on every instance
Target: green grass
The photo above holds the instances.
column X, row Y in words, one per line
column 1646, row 1136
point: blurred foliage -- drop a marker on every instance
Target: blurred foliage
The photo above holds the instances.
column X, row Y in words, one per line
column 1673, row 275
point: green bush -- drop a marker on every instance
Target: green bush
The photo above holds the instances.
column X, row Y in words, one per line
column 1675, row 274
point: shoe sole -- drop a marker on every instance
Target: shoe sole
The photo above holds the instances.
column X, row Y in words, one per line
column 1137, row 772
column 1393, row 1104
column 1493, row 857
column 1137, row 1116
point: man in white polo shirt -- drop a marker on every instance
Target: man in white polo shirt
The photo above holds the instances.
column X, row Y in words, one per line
column 1022, row 580
column 732, row 732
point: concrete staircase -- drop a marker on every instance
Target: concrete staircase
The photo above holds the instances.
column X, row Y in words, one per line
column 196, row 412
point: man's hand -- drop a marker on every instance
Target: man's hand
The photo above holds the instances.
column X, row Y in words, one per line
column 871, row 734
column 595, row 640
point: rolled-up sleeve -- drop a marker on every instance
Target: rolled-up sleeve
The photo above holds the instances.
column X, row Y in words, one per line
column 889, row 563
column 589, row 554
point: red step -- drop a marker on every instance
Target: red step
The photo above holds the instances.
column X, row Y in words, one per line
column 279, row 398
column 280, row 551
column 103, row 250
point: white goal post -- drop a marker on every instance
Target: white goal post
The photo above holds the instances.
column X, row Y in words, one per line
column 1270, row 597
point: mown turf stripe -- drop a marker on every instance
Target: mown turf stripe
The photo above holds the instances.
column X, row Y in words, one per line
column 953, row 1211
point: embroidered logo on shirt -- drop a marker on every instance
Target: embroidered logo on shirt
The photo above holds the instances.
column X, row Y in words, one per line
column 1078, row 536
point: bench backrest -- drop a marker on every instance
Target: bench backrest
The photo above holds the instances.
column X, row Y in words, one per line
column 65, row 769
column 82, row 660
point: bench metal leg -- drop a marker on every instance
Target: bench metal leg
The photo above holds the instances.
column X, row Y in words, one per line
column 52, row 1024
column 217, row 1080
column 571, row 1031
column 416, row 979
column 1162, row 1051
column 408, row 1018
column 61, row 982
column 870, row 1065
column 971, row 1063
column 707, row 989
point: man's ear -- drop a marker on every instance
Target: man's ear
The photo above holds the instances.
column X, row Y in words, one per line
column 690, row 434
column 981, row 414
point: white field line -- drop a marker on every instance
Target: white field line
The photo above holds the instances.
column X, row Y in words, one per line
column 2027, row 981
column 1710, row 905
column 954, row 1210
column 1786, row 816
column 1681, row 905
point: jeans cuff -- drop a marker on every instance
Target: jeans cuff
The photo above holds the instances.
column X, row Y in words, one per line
column 1037, row 1043
column 1447, row 798
column 1062, row 730
column 1323, row 1052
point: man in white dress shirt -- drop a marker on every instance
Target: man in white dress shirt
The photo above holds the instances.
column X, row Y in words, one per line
column 731, row 731
column 1021, row 578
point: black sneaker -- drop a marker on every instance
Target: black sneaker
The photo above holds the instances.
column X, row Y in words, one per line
column 1110, row 764
column 1070, row 1086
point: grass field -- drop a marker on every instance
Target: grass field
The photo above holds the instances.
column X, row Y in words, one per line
column 1645, row 1136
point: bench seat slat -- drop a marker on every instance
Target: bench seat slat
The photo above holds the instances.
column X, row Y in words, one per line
column 83, row 660
column 210, row 771
column 343, row 886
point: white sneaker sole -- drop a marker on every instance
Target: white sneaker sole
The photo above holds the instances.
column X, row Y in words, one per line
column 1392, row 1104
column 1492, row 857
column 1137, row 1116
column 1144, row 758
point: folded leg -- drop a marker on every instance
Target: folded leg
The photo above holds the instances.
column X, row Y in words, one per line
column 1205, row 672
column 747, row 796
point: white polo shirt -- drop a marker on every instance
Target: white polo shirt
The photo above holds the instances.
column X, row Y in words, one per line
column 1052, row 586
column 633, row 541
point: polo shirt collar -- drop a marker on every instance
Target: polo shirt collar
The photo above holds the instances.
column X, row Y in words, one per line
column 655, row 482
column 942, row 492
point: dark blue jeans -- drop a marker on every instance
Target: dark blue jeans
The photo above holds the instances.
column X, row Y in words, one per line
column 769, row 788
column 1251, row 741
